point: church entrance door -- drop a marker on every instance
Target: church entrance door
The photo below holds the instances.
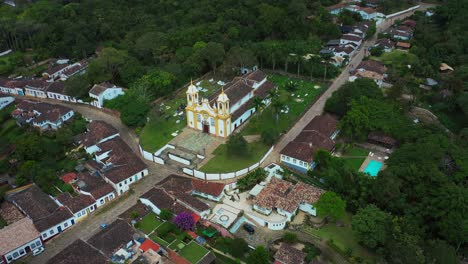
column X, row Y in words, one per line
column 206, row 128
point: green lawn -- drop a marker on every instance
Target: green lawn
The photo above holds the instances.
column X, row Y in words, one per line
column 221, row 259
column 222, row 162
column 149, row 223
column 343, row 238
column 296, row 105
column 162, row 122
column 159, row 240
column 193, row 252
column 354, row 157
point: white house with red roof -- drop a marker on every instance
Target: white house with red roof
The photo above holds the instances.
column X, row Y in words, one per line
column 17, row 239
column 207, row 189
column 105, row 91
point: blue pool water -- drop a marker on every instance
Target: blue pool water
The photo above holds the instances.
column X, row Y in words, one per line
column 373, row 168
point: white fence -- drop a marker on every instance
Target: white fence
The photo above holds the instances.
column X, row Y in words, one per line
column 404, row 11
column 227, row 175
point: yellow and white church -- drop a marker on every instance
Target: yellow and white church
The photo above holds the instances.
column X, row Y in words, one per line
column 227, row 109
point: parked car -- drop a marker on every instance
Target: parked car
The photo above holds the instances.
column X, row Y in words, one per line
column 38, row 251
column 103, row 226
column 249, row 228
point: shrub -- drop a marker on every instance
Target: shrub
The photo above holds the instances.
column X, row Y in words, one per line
column 165, row 214
column 134, row 214
column 290, row 238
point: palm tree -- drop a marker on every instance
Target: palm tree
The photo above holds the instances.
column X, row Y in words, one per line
column 276, row 104
column 258, row 105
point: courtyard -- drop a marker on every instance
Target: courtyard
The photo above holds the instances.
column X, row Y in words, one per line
column 167, row 119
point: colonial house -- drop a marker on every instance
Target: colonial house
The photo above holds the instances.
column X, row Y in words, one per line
column 401, row 33
column 343, row 52
column 74, row 69
column 81, row 205
column 56, row 90
column 158, row 198
column 105, row 91
column 97, row 132
column 118, row 165
column 287, row 254
column 48, row 218
column 5, row 101
column 386, row 44
column 78, row 252
column 210, row 190
column 94, row 186
column 17, row 239
column 36, row 88
column 337, row 9
column 347, row 38
column 226, row 110
column 42, row 115
column 62, row 70
column 117, row 236
column 318, row 134
column 370, row 69
column 405, row 46
column 15, row 87
column 285, row 198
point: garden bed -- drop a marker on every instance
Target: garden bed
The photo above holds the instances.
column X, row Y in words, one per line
column 149, row 223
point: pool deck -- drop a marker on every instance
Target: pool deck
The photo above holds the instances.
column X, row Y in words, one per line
column 377, row 156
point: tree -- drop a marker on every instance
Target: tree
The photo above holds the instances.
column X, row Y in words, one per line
column 214, row 54
column 377, row 51
column 340, row 100
column 371, row 226
column 184, row 221
column 166, row 214
column 134, row 214
column 291, row 86
column 77, row 86
column 276, row 104
column 258, row 105
column 28, row 147
column 238, row 247
column 155, row 84
column 237, row 145
column 440, row 252
column 330, row 204
column 258, row 256
column 290, row 238
column 134, row 113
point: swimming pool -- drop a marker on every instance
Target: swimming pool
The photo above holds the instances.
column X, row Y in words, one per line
column 373, row 168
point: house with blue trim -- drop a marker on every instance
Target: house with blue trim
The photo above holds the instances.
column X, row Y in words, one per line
column 320, row 133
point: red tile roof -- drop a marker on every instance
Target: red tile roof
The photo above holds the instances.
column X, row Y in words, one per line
column 149, row 244
column 97, row 131
column 287, row 254
column 69, row 177
column 77, row 203
column 286, row 196
column 208, row 187
column 325, row 124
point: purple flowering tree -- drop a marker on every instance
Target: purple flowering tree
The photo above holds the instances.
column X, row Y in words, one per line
column 184, row 221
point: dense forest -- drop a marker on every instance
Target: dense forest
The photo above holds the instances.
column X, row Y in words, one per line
column 415, row 210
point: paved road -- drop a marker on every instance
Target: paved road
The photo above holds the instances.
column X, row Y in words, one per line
column 318, row 107
column 90, row 225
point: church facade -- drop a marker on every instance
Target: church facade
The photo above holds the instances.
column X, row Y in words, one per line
column 227, row 109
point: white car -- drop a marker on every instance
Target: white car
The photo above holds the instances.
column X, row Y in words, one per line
column 38, row 251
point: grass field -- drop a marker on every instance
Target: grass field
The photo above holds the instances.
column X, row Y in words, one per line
column 193, row 252
column 149, row 223
column 303, row 97
column 354, row 157
column 342, row 237
column 162, row 122
column 223, row 162
column 159, row 240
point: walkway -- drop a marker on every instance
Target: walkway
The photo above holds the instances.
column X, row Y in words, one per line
column 91, row 225
column 318, row 107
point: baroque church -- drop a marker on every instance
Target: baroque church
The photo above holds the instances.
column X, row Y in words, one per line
column 229, row 108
